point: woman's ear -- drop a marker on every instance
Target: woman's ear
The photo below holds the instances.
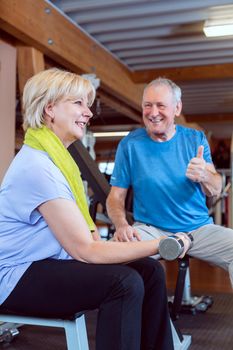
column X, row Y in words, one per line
column 49, row 113
column 49, row 110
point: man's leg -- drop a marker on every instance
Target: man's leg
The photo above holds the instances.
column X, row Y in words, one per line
column 148, row 232
column 214, row 244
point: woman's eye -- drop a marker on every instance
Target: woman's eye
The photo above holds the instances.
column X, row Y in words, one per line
column 78, row 102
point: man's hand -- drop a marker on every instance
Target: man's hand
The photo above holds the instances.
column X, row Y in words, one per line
column 126, row 233
column 196, row 170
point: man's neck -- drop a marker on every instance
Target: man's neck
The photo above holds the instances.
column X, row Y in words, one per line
column 165, row 136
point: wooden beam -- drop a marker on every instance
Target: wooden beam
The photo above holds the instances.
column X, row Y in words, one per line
column 41, row 25
column 29, row 62
column 216, row 71
column 120, row 107
column 209, row 118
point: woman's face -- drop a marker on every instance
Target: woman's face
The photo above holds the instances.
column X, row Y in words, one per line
column 68, row 119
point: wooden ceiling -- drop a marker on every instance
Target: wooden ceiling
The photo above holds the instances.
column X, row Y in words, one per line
column 165, row 38
column 127, row 43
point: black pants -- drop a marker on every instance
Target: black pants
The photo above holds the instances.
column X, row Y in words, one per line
column 132, row 300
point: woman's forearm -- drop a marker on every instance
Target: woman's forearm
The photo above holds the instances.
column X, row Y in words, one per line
column 106, row 252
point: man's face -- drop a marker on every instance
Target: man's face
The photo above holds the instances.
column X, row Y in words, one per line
column 159, row 110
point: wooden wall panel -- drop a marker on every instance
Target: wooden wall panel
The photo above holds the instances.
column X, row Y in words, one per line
column 7, row 103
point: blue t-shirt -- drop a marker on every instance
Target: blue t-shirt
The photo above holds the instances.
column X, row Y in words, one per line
column 163, row 196
column 31, row 180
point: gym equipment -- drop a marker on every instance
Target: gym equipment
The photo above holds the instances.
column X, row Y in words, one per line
column 8, row 331
column 75, row 330
column 183, row 301
column 172, row 247
column 180, row 342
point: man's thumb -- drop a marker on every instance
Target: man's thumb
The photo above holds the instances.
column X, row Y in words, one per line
column 200, row 152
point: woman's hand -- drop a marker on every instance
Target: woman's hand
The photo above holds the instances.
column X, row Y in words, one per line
column 187, row 243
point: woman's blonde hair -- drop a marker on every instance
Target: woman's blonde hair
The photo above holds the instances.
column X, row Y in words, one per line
column 51, row 86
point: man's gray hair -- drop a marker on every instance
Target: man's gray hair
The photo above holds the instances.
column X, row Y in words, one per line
column 175, row 89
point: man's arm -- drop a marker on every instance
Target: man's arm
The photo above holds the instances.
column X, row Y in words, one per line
column 116, row 212
column 204, row 173
column 212, row 183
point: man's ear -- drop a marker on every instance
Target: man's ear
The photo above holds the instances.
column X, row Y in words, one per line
column 178, row 109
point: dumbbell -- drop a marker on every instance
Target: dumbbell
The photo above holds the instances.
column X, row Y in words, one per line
column 172, row 247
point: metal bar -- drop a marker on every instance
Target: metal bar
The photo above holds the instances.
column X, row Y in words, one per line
column 90, row 172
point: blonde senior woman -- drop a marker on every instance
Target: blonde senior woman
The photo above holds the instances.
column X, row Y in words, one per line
column 52, row 262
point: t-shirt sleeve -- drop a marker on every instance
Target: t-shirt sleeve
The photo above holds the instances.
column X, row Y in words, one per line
column 42, row 182
column 121, row 173
column 207, row 152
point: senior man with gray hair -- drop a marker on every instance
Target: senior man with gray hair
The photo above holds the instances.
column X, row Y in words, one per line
column 170, row 170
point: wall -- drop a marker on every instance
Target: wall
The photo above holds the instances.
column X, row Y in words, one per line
column 7, row 103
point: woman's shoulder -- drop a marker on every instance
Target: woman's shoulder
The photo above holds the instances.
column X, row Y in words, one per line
column 29, row 159
column 31, row 165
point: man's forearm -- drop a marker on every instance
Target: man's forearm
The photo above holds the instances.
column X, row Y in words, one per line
column 212, row 184
column 117, row 215
column 116, row 212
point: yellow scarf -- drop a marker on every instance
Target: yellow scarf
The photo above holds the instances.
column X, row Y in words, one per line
column 45, row 140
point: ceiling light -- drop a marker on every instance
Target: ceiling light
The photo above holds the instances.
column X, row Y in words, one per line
column 219, row 21
column 212, row 30
column 111, row 134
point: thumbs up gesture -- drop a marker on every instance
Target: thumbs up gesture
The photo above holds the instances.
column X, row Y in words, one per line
column 196, row 170
column 200, row 152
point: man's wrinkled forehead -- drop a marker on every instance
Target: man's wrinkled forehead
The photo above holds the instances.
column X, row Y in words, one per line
column 158, row 91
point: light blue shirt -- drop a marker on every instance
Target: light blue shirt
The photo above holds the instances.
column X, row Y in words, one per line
column 163, row 196
column 25, row 237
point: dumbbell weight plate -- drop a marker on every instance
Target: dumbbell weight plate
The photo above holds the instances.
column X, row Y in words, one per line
column 171, row 248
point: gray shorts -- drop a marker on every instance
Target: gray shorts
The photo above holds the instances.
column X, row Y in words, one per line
column 212, row 243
